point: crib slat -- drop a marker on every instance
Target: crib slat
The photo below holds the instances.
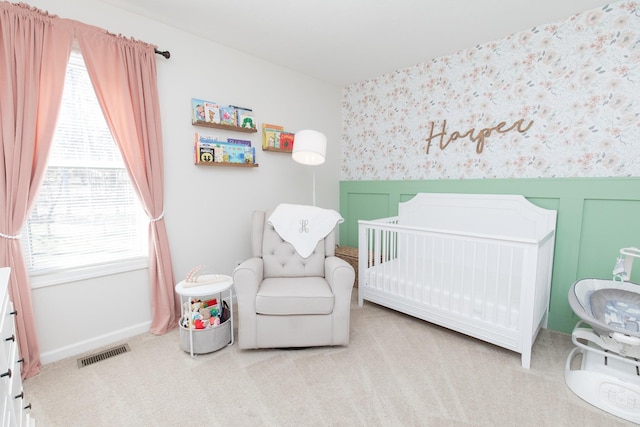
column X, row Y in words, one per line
column 438, row 284
column 509, row 286
column 370, row 249
column 424, row 268
column 385, row 237
column 497, row 288
column 469, row 289
column 445, row 295
column 463, row 264
column 485, row 308
column 376, row 234
column 413, row 276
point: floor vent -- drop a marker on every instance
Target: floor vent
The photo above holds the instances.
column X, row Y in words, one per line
column 94, row 358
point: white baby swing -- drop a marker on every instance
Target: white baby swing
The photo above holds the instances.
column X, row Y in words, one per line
column 608, row 339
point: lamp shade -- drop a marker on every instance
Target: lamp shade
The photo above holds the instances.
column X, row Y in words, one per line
column 309, row 147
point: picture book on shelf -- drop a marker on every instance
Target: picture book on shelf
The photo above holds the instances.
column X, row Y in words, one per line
column 207, row 149
column 204, row 111
column 228, row 115
column 249, row 155
column 204, row 149
column 211, row 112
column 244, row 117
column 206, row 139
column 239, row 141
column 197, row 108
column 286, row 141
column 204, row 153
column 271, row 136
column 233, row 153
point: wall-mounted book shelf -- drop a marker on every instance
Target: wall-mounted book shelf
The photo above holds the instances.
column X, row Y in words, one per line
column 274, row 138
column 225, row 127
column 235, row 165
column 209, row 150
column 276, row 150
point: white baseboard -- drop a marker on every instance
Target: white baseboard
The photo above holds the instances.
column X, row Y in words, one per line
column 94, row 343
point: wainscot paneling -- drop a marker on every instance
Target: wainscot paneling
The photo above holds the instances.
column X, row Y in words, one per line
column 596, row 217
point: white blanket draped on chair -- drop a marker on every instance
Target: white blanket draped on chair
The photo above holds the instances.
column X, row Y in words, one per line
column 303, row 226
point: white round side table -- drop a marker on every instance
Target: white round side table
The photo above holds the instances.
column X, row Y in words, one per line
column 206, row 284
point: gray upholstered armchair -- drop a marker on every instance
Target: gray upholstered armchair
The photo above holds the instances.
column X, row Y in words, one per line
column 285, row 300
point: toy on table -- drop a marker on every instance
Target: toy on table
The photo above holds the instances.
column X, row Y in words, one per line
column 195, row 279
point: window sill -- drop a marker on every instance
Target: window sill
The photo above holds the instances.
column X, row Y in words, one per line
column 42, row 280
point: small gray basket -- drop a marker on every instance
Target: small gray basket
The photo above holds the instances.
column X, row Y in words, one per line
column 206, row 340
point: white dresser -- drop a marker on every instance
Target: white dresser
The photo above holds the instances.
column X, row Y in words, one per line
column 15, row 408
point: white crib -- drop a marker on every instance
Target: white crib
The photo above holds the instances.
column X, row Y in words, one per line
column 478, row 264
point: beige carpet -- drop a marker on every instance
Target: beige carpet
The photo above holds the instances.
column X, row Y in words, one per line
column 397, row 371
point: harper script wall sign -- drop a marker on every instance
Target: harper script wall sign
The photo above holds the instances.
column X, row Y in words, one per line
column 478, row 138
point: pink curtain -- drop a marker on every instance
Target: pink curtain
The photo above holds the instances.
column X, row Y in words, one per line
column 123, row 73
column 34, row 51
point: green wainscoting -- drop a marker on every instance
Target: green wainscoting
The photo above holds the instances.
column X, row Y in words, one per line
column 596, row 217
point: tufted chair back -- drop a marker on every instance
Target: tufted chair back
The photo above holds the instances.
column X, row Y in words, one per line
column 280, row 258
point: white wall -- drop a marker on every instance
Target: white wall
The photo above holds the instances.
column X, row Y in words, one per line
column 207, row 209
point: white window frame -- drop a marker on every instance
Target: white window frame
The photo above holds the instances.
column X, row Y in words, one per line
column 44, row 278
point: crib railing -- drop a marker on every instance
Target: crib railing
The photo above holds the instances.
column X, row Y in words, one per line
column 471, row 275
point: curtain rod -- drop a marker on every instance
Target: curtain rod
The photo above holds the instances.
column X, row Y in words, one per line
column 165, row 53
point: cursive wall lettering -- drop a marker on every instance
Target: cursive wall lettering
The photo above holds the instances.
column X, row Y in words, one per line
column 478, row 138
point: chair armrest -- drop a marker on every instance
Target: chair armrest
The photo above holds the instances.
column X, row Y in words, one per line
column 339, row 274
column 247, row 277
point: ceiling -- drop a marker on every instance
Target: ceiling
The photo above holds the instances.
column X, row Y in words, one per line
column 346, row 41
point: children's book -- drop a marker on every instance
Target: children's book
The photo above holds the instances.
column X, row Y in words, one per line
column 204, row 153
column 249, row 155
column 239, row 141
column 218, row 153
column 208, row 149
column 228, row 115
column 271, row 136
column 286, row 141
column 244, row 117
column 205, row 149
column 233, row 153
column 211, row 112
column 206, row 139
column 197, row 108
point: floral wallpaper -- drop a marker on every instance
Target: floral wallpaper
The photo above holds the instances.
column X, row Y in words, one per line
column 558, row 100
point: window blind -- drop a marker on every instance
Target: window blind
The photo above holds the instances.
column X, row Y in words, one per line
column 86, row 212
